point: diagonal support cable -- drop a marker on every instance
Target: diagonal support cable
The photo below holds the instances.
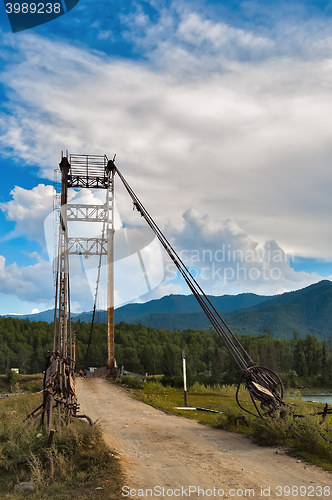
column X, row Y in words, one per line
column 240, row 355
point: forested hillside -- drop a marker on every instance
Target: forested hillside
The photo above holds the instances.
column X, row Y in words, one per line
column 300, row 361
column 308, row 310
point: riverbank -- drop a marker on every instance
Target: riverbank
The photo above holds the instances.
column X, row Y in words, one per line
column 329, row 394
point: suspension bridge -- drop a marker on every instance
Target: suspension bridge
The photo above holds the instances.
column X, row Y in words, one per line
column 95, row 172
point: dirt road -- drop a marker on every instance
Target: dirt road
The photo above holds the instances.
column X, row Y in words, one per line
column 164, row 451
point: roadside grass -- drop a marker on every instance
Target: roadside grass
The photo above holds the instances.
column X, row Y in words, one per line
column 302, row 437
column 84, row 467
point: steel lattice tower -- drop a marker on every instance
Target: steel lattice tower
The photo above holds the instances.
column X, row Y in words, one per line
column 80, row 172
column 93, row 172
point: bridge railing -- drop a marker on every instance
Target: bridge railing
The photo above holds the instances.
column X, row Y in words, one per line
column 98, row 372
column 104, row 372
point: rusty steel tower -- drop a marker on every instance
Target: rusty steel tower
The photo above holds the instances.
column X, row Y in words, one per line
column 79, row 172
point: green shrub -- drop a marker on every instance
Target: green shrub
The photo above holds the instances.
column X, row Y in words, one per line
column 132, row 382
column 32, row 387
column 12, row 378
column 153, row 386
column 305, row 434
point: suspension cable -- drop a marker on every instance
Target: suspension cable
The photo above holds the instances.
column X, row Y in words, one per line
column 240, row 355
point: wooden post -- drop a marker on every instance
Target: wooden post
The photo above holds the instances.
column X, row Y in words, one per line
column 184, row 377
column 50, row 438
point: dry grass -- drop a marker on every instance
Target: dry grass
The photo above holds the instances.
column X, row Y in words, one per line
column 84, row 467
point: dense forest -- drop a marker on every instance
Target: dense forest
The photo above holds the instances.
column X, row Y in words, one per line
column 301, row 361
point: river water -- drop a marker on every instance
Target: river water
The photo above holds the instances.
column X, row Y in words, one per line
column 319, row 399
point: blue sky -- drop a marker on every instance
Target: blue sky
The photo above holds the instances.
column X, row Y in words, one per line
column 220, row 115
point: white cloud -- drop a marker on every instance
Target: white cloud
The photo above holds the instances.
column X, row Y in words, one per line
column 105, row 35
column 34, row 284
column 28, row 283
column 260, row 131
column 224, row 259
column 28, row 209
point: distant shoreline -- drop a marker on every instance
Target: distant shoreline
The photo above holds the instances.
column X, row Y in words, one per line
column 317, row 394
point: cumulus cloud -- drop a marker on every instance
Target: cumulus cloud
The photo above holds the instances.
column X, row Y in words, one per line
column 28, row 283
column 34, row 284
column 221, row 256
column 28, row 209
column 224, row 259
column 250, row 142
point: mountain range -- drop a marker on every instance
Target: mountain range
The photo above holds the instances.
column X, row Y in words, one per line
column 308, row 310
column 170, row 304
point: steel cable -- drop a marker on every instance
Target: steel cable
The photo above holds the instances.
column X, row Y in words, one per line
column 243, row 359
